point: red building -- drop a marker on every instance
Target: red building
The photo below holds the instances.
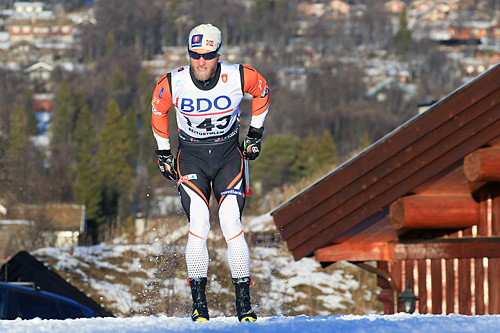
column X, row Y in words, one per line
column 474, row 30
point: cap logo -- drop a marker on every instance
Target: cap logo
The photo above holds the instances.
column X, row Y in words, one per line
column 210, row 43
column 196, row 41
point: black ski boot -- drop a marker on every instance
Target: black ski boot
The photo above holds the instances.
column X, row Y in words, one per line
column 200, row 308
column 243, row 306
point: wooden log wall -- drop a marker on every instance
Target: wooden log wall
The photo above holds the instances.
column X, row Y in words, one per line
column 469, row 286
column 483, row 165
column 434, row 212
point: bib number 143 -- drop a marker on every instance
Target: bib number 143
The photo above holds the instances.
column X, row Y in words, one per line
column 208, row 124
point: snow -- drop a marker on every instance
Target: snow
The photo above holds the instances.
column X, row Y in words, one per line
column 336, row 286
column 400, row 322
column 261, row 223
column 288, row 283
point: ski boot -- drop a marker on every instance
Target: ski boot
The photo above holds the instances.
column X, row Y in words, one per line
column 243, row 306
column 200, row 308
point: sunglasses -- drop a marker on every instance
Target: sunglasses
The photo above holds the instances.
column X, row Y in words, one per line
column 206, row 56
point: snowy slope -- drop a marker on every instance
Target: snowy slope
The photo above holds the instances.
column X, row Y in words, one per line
column 340, row 323
column 150, row 278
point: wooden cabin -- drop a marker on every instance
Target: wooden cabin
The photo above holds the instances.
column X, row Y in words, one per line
column 422, row 203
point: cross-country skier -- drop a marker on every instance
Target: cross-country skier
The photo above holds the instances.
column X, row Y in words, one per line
column 207, row 94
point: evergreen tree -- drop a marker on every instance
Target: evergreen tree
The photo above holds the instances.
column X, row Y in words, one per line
column 62, row 157
column 28, row 110
column 62, row 123
column 85, row 186
column 326, row 154
column 86, row 190
column 306, row 158
column 119, row 90
column 21, row 169
column 145, row 93
column 147, row 157
column 130, row 126
column 84, row 130
column 113, row 172
column 403, row 35
column 110, row 43
column 79, row 102
column 18, row 142
column 279, row 154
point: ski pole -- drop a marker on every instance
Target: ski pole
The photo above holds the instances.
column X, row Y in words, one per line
column 249, row 191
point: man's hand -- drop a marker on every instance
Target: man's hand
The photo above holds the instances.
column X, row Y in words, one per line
column 166, row 164
column 250, row 147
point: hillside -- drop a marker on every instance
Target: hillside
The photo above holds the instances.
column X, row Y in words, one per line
column 147, row 275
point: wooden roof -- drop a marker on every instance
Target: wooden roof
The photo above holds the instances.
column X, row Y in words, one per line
column 23, row 267
column 57, row 216
column 423, row 156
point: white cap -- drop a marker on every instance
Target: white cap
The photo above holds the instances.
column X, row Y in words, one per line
column 205, row 36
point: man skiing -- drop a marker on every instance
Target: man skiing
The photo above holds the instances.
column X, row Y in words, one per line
column 206, row 94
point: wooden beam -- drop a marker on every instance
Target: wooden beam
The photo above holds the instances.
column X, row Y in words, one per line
column 445, row 248
column 356, row 252
column 483, row 165
column 434, row 212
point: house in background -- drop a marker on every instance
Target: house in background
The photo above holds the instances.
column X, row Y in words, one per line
column 388, row 88
column 23, row 47
column 311, row 9
column 337, row 9
column 474, row 30
column 39, row 72
column 28, row 8
column 58, row 225
column 41, row 31
column 43, row 102
column 395, row 6
column 23, row 267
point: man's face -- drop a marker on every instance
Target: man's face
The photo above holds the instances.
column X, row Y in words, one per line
column 203, row 69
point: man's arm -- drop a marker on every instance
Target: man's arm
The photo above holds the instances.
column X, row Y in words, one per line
column 160, row 104
column 256, row 85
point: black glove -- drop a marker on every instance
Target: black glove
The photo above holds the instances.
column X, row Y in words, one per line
column 166, row 164
column 250, row 147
